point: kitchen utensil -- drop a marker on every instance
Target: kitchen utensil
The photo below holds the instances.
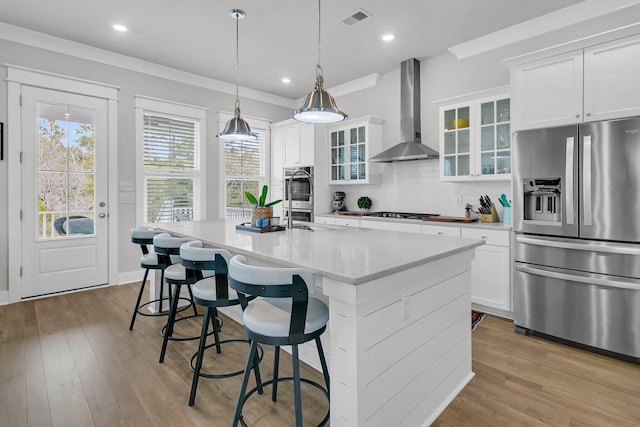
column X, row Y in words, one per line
column 504, row 201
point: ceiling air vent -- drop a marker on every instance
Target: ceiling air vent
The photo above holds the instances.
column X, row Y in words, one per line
column 360, row 15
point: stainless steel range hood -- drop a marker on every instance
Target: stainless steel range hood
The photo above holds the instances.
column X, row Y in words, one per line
column 411, row 147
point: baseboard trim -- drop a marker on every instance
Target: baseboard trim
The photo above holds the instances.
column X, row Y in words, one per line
column 4, row 297
column 130, row 277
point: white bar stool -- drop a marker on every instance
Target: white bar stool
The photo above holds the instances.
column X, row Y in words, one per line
column 209, row 266
column 282, row 314
column 143, row 236
column 168, row 250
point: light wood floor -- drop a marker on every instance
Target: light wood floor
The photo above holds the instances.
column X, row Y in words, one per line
column 70, row 360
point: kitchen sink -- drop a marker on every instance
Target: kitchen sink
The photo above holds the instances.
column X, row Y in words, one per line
column 317, row 228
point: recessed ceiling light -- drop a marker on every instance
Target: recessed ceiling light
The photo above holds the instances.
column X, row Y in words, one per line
column 388, row 37
column 286, row 80
column 120, row 27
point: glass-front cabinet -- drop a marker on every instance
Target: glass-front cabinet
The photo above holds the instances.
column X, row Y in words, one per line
column 475, row 140
column 457, row 153
column 352, row 142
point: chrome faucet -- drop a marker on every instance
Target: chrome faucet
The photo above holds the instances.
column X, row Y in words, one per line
column 290, row 193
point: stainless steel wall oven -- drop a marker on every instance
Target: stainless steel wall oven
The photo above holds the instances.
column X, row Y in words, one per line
column 300, row 180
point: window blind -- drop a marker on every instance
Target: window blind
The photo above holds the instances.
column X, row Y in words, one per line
column 171, row 168
column 245, row 169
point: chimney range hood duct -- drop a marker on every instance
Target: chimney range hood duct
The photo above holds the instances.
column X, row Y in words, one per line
column 411, row 147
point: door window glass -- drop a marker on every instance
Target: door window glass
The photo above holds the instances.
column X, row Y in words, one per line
column 65, row 171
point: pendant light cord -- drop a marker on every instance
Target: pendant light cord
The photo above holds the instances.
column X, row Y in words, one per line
column 237, row 112
column 319, row 85
column 319, row 40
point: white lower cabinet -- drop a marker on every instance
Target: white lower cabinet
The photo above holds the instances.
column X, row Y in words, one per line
column 490, row 270
column 441, row 230
column 324, row 220
column 391, row 226
column 349, row 222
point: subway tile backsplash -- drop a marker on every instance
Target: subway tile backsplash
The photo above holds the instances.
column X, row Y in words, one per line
column 414, row 186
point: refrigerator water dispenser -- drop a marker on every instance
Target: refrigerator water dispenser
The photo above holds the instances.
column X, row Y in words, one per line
column 542, row 199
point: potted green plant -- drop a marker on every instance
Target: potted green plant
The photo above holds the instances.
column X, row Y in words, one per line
column 261, row 209
column 364, row 203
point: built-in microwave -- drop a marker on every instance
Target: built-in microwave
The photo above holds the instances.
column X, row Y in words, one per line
column 300, row 180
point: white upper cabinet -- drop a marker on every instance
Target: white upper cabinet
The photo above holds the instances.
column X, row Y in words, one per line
column 612, row 80
column 475, row 140
column 596, row 83
column 297, row 142
column 547, row 92
column 277, row 156
column 352, row 143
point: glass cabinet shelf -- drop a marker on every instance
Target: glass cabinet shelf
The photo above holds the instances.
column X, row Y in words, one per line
column 475, row 140
column 351, row 144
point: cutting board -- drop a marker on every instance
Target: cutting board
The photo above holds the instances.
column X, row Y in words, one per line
column 352, row 213
column 451, row 219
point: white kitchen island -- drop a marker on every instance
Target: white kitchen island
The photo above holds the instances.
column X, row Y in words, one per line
column 399, row 326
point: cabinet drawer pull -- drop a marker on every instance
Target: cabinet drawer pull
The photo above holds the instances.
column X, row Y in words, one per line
column 440, row 232
column 484, row 237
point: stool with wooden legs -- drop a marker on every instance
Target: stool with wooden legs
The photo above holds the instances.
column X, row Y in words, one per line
column 281, row 314
column 211, row 291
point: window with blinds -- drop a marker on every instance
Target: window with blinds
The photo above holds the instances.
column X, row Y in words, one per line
column 171, row 159
column 245, row 170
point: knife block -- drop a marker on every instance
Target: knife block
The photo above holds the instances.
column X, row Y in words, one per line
column 492, row 217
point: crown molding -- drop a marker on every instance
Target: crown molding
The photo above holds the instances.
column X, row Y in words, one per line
column 56, row 44
column 67, row 47
column 582, row 43
column 565, row 17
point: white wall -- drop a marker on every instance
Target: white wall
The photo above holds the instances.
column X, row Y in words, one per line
column 130, row 83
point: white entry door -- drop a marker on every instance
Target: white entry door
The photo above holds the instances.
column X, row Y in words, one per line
column 64, row 225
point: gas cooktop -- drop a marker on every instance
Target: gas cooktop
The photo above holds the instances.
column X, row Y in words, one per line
column 401, row 215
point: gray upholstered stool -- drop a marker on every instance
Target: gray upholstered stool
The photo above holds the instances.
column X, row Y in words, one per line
column 149, row 260
column 282, row 314
column 209, row 266
column 168, row 250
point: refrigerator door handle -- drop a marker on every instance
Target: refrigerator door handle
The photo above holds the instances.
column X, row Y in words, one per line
column 569, row 180
column 621, row 249
column 586, row 181
column 590, row 279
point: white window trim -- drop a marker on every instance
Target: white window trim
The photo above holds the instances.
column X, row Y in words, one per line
column 254, row 122
column 145, row 104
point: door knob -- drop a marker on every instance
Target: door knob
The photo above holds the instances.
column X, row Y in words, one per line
column 102, row 204
column 102, row 215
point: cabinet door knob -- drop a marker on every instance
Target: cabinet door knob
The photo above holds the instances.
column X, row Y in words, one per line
column 440, row 232
column 588, row 114
column 577, row 116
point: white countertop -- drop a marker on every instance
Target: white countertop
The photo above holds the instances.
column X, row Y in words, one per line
column 350, row 255
column 477, row 224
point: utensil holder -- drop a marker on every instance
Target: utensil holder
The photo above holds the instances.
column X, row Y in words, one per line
column 506, row 215
column 490, row 217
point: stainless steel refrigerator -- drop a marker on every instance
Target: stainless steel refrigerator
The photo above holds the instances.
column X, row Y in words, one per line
column 576, row 215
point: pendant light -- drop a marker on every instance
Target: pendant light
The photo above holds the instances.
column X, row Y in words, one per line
column 319, row 106
column 237, row 129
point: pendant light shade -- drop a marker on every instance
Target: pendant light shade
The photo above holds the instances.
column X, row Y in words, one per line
column 237, row 129
column 319, row 106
